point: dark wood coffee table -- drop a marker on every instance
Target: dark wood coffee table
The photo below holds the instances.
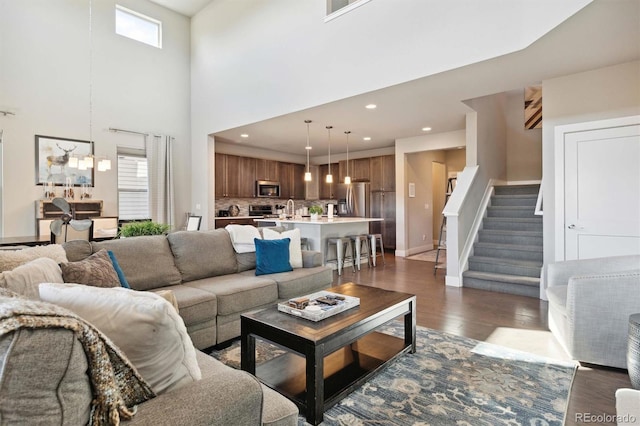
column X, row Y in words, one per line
column 331, row 357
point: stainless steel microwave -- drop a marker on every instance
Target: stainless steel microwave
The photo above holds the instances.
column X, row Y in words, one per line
column 266, row 188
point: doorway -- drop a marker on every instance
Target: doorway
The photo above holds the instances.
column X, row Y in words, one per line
column 599, row 188
column 438, row 194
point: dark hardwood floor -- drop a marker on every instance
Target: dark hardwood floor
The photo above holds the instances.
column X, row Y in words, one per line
column 477, row 314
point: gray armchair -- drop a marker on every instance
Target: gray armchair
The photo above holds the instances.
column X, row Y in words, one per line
column 590, row 302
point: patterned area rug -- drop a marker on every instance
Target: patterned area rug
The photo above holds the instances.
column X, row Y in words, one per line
column 450, row 380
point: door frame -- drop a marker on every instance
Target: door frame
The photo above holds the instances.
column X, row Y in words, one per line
column 559, row 148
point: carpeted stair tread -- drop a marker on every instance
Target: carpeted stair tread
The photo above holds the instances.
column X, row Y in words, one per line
column 515, row 219
column 504, row 261
column 504, row 278
column 508, row 246
column 507, row 232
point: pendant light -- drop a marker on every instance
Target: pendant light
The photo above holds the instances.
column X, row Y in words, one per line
column 329, row 178
column 307, row 174
column 347, row 178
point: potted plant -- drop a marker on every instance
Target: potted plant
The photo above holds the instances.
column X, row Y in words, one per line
column 314, row 211
column 135, row 229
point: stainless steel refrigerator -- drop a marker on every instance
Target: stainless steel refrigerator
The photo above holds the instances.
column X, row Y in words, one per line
column 353, row 199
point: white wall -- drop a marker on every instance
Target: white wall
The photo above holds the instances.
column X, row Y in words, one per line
column 593, row 95
column 44, row 79
column 256, row 59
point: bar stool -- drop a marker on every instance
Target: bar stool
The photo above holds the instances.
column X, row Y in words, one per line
column 304, row 243
column 344, row 252
column 357, row 241
column 374, row 239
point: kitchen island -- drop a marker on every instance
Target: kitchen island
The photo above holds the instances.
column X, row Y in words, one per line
column 318, row 231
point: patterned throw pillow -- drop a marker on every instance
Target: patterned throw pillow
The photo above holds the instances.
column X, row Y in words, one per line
column 96, row 270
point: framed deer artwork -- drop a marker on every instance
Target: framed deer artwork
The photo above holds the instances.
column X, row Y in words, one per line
column 60, row 161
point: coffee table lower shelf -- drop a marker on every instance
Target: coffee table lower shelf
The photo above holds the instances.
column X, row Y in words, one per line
column 344, row 370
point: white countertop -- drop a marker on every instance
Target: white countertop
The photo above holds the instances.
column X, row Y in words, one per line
column 323, row 220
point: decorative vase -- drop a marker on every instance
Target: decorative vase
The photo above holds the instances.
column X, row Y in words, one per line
column 314, row 216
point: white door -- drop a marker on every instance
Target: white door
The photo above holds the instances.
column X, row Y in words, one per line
column 602, row 192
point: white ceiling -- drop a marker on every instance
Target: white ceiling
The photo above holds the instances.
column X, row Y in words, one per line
column 185, row 7
column 603, row 33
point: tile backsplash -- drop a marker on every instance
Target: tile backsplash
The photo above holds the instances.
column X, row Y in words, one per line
column 243, row 203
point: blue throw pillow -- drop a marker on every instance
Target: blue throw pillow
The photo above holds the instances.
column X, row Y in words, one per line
column 272, row 256
column 116, row 266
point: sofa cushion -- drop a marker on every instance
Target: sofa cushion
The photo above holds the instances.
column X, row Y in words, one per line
column 195, row 305
column 237, row 293
column 300, row 282
column 96, row 270
column 32, row 396
column 156, row 340
column 26, row 278
column 202, row 254
column 272, row 256
column 246, row 261
column 295, row 249
column 10, row 259
column 147, row 261
column 77, row 250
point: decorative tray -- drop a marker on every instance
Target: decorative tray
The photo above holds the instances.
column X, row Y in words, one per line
column 310, row 307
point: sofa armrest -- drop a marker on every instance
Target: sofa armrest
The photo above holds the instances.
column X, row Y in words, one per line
column 559, row 273
column 222, row 399
column 598, row 310
column 311, row 259
column 628, row 406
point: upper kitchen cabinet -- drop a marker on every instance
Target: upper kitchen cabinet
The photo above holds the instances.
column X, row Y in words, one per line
column 299, row 185
column 312, row 191
column 235, row 176
column 383, row 173
column 267, row 170
column 292, row 183
column 358, row 170
column 327, row 190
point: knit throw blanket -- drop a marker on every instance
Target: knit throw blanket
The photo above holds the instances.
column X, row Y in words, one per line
column 117, row 386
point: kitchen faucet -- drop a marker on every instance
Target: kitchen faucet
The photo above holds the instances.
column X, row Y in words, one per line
column 291, row 211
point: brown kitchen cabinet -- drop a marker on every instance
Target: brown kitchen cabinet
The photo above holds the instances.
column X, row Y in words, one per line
column 267, row 170
column 221, row 222
column 299, row 185
column 235, row 176
column 292, row 181
column 383, row 173
column 383, row 204
column 359, row 170
column 327, row 190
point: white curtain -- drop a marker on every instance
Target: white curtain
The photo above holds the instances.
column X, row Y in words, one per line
column 161, row 193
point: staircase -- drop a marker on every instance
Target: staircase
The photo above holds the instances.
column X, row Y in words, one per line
column 507, row 257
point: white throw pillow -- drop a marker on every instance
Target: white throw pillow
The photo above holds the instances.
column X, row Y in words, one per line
column 10, row 259
column 295, row 251
column 26, row 278
column 142, row 324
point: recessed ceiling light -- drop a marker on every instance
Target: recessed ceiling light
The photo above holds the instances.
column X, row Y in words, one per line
column 308, row 147
column 426, row 129
column 366, row 138
column 460, row 147
column 371, row 106
column 244, row 135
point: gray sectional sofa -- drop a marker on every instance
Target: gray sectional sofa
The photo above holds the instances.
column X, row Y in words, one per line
column 212, row 283
column 44, row 377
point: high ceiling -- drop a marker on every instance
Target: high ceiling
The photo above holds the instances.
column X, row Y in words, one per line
column 185, row 7
column 603, row 33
